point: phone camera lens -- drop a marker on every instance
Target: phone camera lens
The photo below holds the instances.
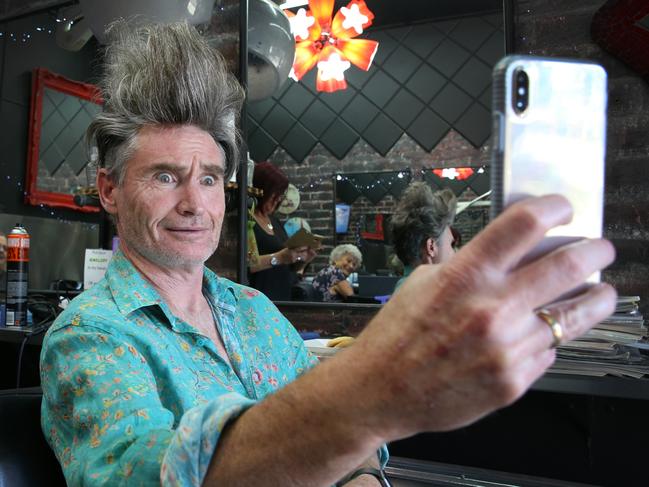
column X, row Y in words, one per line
column 520, row 91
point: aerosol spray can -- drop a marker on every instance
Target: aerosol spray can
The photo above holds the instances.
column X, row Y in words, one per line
column 17, row 276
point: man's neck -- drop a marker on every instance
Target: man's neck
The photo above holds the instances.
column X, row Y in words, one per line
column 180, row 287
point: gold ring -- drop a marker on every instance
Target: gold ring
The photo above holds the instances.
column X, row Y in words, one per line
column 553, row 323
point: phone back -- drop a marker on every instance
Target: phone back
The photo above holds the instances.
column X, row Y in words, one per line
column 549, row 136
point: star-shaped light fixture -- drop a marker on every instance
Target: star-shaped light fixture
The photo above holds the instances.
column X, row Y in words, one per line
column 330, row 44
column 458, row 173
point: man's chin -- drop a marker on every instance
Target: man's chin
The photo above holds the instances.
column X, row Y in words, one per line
column 176, row 259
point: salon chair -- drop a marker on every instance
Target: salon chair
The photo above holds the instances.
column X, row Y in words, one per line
column 26, row 459
column 304, row 291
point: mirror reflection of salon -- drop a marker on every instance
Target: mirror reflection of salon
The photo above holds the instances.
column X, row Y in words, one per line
column 424, row 104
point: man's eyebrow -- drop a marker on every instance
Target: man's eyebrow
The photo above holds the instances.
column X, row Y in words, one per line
column 210, row 167
column 213, row 168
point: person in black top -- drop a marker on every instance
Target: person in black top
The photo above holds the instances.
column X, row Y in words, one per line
column 278, row 267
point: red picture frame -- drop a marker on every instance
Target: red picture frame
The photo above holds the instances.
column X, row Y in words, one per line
column 42, row 78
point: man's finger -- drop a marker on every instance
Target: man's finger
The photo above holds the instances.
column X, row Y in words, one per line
column 575, row 316
column 518, row 230
column 559, row 272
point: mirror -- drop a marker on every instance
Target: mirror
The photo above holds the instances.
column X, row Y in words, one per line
column 423, row 105
column 60, row 112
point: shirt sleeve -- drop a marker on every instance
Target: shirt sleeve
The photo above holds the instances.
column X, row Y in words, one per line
column 105, row 422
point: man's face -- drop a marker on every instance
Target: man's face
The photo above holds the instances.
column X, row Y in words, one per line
column 170, row 206
column 445, row 249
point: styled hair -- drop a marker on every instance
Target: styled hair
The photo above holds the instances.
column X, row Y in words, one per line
column 270, row 179
column 420, row 214
column 340, row 250
column 163, row 75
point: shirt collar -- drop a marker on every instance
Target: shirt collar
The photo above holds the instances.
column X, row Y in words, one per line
column 131, row 291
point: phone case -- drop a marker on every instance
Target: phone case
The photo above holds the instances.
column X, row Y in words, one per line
column 557, row 145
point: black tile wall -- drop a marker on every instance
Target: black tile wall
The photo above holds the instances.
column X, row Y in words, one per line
column 382, row 134
column 428, row 129
column 372, row 185
column 359, row 113
column 299, row 141
column 426, row 83
column 402, row 63
column 451, row 102
column 425, row 79
column 403, row 108
column 339, row 138
column 317, row 118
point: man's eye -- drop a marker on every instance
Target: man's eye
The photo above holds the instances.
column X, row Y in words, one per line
column 209, row 180
column 165, row 178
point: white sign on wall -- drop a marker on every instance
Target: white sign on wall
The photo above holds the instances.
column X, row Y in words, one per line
column 95, row 266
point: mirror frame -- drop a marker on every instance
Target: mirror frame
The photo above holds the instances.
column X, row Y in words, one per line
column 41, row 79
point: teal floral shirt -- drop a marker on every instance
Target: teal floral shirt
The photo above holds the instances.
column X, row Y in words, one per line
column 132, row 395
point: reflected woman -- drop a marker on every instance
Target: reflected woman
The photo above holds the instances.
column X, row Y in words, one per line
column 331, row 282
column 278, row 267
column 421, row 227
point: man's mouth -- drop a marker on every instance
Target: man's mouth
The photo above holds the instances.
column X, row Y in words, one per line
column 187, row 231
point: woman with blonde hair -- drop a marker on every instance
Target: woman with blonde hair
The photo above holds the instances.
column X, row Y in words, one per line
column 332, row 280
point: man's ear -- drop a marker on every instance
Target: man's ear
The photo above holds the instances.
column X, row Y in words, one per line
column 431, row 250
column 107, row 188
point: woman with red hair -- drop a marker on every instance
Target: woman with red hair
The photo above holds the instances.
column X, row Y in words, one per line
column 277, row 268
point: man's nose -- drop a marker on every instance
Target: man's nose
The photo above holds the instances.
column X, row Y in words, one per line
column 191, row 199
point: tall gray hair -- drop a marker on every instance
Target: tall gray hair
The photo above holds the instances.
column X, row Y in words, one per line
column 163, row 75
column 420, row 215
column 340, row 250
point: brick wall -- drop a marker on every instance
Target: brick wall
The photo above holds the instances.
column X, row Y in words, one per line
column 562, row 28
column 314, row 178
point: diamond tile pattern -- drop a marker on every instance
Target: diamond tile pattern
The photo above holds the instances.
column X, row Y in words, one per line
column 374, row 186
column 402, row 63
column 359, row 113
column 478, row 183
column 425, row 79
column 63, row 126
column 382, row 134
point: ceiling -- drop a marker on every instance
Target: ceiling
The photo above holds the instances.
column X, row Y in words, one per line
column 387, row 12
column 393, row 12
column 10, row 9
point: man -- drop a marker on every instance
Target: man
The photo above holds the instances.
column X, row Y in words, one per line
column 163, row 372
column 421, row 227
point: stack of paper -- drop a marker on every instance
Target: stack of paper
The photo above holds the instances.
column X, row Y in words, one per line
column 319, row 348
column 613, row 347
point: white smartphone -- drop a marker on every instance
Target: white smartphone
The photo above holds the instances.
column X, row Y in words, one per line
column 549, row 136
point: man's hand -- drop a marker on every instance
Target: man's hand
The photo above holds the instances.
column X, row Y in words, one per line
column 462, row 339
column 456, row 342
column 366, row 480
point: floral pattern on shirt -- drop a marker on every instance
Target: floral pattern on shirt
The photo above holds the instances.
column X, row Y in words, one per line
column 326, row 279
column 133, row 395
